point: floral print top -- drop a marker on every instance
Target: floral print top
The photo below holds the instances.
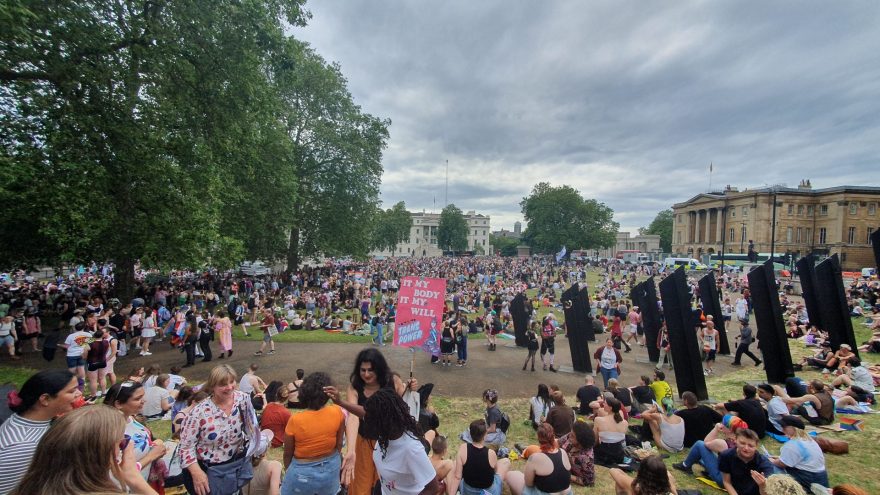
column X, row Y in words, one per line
column 582, row 466
column 212, row 436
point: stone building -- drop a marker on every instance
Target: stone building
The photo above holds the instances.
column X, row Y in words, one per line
column 819, row 221
column 423, row 236
column 643, row 243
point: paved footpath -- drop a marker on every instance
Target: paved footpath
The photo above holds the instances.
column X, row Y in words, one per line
column 500, row 369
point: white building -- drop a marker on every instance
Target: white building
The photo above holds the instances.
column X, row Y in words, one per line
column 643, row 243
column 423, row 236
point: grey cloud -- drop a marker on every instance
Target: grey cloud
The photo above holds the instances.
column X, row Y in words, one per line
column 627, row 101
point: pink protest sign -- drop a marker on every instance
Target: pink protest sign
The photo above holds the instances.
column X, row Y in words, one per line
column 419, row 319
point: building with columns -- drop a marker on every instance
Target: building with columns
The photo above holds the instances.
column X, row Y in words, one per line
column 423, row 236
column 808, row 221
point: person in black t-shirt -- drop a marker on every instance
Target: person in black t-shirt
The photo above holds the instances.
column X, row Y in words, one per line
column 586, row 394
column 698, row 420
column 642, row 394
column 749, row 409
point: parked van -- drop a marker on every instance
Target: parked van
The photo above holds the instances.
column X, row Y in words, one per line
column 687, row 263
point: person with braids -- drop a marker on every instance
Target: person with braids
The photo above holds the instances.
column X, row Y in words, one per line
column 399, row 456
column 313, row 440
column 43, row 396
column 371, row 374
column 611, row 430
column 652, row 478
column 546, row 472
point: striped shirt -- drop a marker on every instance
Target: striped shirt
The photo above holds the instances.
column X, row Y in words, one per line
column 18, row 442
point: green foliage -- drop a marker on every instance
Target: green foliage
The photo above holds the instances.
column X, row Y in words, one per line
column 337, row 158
column 503, row 246
column 177, row 134
column 453, row 230
column 391, row 227
column 560, row 216
column 662, row 226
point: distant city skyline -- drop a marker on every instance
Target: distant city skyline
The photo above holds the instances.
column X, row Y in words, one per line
column 627, row 102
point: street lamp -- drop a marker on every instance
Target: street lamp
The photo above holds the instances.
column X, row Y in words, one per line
column 742, row 237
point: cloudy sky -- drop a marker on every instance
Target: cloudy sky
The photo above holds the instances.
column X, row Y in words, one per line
column 629, row 102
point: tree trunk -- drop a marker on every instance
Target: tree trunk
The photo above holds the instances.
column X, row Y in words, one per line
column 293, row 251
column 123, row 274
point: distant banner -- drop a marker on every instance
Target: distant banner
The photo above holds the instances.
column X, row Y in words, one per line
column 420, row 304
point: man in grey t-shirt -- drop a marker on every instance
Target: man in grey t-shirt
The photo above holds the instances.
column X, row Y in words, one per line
column 742, row 347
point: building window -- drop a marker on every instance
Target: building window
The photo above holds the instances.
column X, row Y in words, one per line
column 809, row 210
column 851, row 236
column 790, row 210
column 823, row 233
column 679, row 217
column 732, row 234
column 809, row 237
column 853, row 208
column 745, row 211
column 788, row 233
column 872, row 209
column 733, row 213
column 823, row 210
column 800, row 235
column 678, row 236
column 870, row 231
column 800, row 210
column 742, row 235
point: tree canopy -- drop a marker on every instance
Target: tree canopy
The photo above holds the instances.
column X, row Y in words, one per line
column 560, row 216
column 453, row 230
column 177, row 134
column 391, row 227
column 503, row 246
column 662, row 226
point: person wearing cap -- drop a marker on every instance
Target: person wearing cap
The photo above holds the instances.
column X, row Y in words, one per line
column 842, row 357
column 742, row 342
column 801, row 457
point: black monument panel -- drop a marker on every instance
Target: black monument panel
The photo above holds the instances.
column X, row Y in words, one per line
column 772, row 339
column 832, row 304
column 521, row 314
column 712, row 306
column 806, row 269
column 682, row 335
column 576, row 324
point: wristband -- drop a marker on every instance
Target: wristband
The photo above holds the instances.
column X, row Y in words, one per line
column 138, row 466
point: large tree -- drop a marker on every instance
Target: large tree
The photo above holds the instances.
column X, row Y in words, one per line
column 503, row 246
column 143, row 131
column 453, row 230
column 662, row 226
column 337, row 159
column 391, row 227
column 560, row 216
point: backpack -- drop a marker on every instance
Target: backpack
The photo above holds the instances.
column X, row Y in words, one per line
column 504, row 424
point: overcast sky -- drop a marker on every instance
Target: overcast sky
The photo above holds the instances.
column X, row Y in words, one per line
column 629, row 102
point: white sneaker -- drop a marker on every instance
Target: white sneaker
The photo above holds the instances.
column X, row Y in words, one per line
column 142, row 353
column 146, row 354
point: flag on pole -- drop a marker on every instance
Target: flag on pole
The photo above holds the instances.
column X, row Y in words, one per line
column 560, row 254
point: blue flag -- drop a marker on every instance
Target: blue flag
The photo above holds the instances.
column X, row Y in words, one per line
column 560, row 254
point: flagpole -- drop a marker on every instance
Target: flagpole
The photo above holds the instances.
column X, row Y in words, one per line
column 710, row 176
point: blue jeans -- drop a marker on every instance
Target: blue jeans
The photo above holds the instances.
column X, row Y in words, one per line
column 321, row 476
column 495, row 489
column 806, row 478
column 376, row 332
column 461, row 349
column 608, row 374
column 701, row 454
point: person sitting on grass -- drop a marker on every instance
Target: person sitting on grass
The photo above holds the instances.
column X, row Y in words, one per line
column 652, row 478
column 732, row 469
column 801, row 457
column 478, row 470
column 699, row 420
column 561, row 416
column 611, row 430
column 445, row 468
column 858, row 380
column 495, row 431
column 545, row 472
column 723, row 435
column 579, row 446
column 816, row 406
column 667, row 429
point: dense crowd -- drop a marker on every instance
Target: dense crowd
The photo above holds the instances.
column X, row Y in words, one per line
column 379, row 432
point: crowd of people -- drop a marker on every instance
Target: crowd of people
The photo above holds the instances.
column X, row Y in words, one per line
column 379, row 431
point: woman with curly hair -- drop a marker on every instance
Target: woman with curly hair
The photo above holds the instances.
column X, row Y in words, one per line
column 652, row 478
column 398, row 455
column 312, row 441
